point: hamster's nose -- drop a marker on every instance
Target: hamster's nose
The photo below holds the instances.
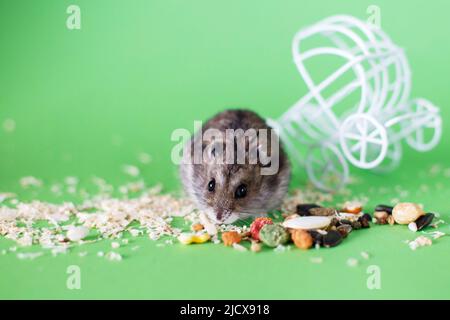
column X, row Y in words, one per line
column 222, row 214
column 219, row 214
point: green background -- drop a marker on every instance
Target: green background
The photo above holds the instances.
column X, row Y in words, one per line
column 87, row 101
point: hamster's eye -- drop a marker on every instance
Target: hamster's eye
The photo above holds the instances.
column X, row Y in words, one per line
column 241, row 191
column 212, row 185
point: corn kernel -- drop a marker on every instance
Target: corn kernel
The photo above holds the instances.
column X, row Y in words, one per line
column 188, row 238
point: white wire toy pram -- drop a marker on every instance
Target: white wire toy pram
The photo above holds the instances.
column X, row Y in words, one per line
column 361, row 111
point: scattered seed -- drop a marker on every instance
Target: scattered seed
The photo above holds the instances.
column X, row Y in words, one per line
column 257, row 225
column 367, row 217
column 115, row 245
column 302, row 239
column 316, row 260
column 352, row 262
column 303, row 209
column 344, row 230
column 188, row 238
column 231, row 237
column 281, row 248
column 208, row 225
column 30, row 181
column 273, row 235
column 197, row 227
column 134, row 232
column 364, row 223
column 391, row 220
column 352, row 207
column 9, row 125
column 334, row 222
column 424, row 221
column 59, row 250
column 412, row 226
column 255, row 246
column 365, row 255
column 420, row 242
column 407, row 212
column 144, row 158
column 29, row 255
column 317, row 237
column 385, row 208
column 323, row 212
column 239, row 247
column 113, row 256
column 77, row 233
column 437, row 234
column 131, row 170
column 356, row 225
column 307, row 223
column 332, row 239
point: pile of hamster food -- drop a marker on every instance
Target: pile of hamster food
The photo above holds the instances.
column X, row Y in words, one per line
column 314, row 226
column 58, row 228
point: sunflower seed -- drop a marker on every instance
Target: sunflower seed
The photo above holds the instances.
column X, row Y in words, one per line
column 303, row 209
column 424, row 221
column 332, row 239
column 385, row 208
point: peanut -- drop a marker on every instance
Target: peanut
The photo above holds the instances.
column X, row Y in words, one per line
column 302, row 239
column 405, row 213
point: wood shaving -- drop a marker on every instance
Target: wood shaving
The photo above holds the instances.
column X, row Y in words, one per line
column 436, row 234
column 281, row 248
column 144, row 158
column 316, row 260
column 239, row 247
column 420, row 241
column 115, row 245
column 365, row 255
column 6, row 195
column 29, row 255
column 113, row 256
column 131, row 170
column 9, row 125
column 153, row 213
column 30, row 181
column 352, row 262
column 208, row 225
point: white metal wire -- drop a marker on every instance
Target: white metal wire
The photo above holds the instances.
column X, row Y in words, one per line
column 368, row 132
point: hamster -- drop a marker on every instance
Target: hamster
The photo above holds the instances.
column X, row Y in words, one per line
column 231, row 190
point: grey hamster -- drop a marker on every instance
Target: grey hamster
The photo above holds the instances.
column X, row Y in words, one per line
column 231, row 191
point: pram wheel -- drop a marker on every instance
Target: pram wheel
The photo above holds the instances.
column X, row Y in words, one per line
column 326, row 167
column 392, row 159
column 425, row 125
column 363, row 140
